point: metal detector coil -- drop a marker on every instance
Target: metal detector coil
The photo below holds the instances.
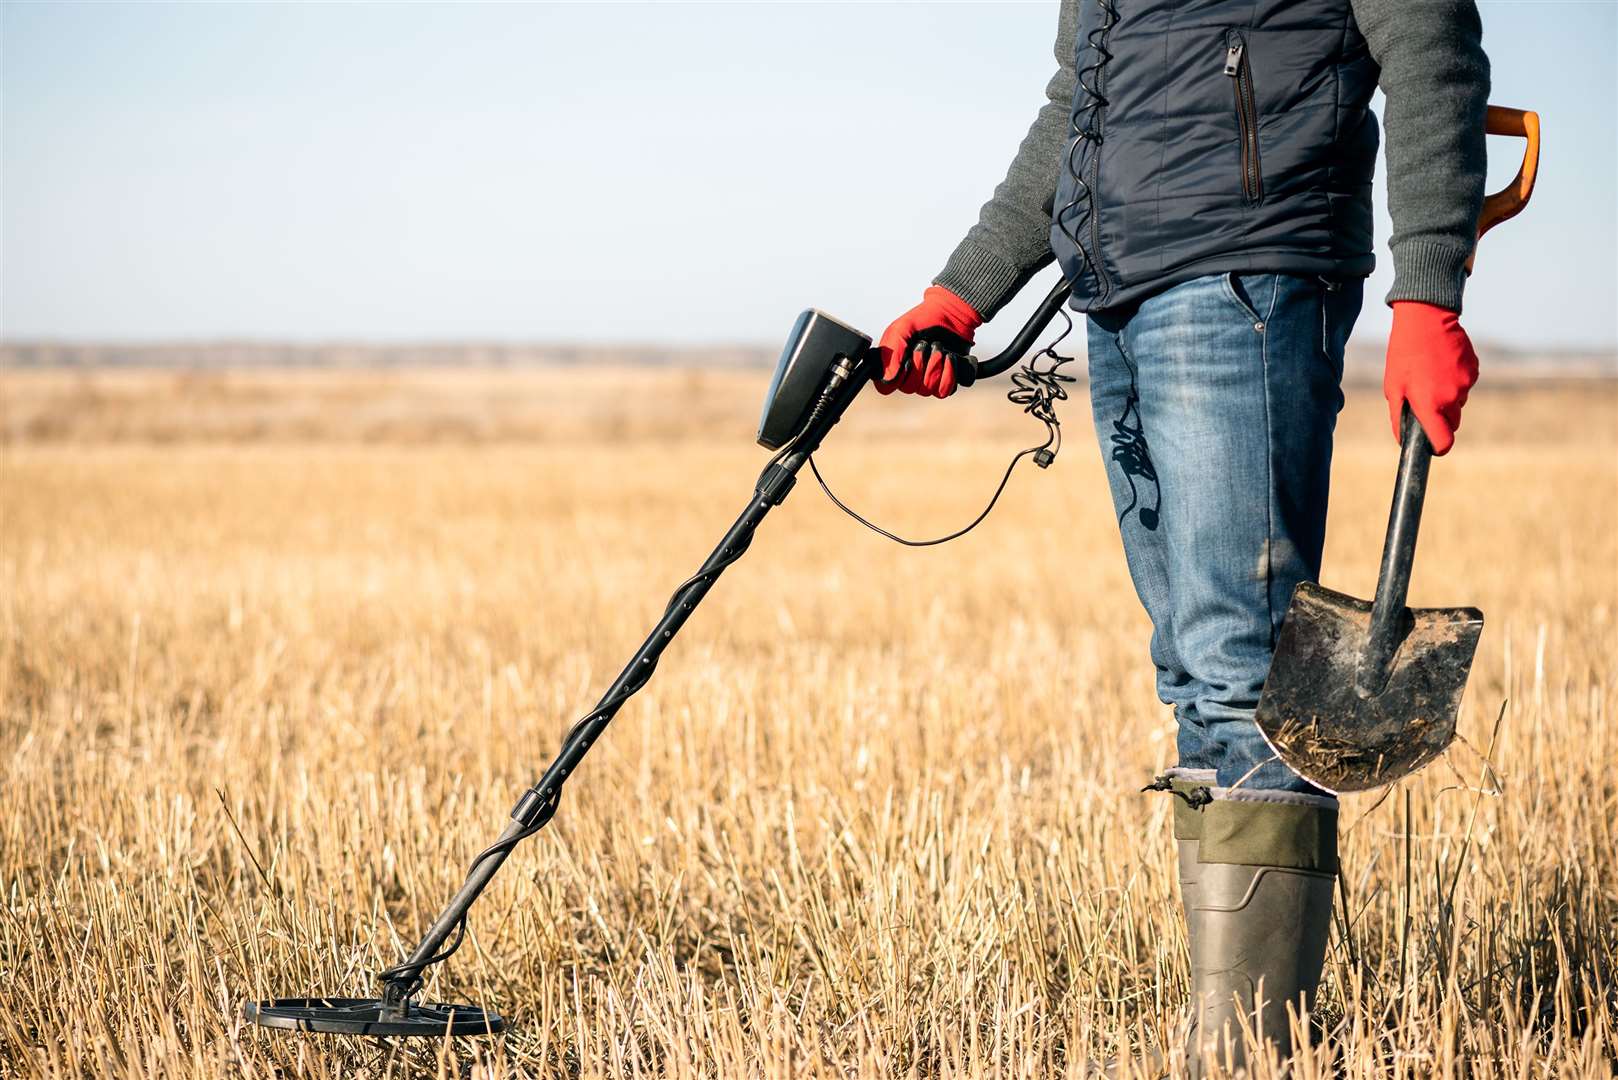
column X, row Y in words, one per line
column 372, row 1016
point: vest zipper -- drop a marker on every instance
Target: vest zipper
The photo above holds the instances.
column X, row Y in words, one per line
column 1241, row 74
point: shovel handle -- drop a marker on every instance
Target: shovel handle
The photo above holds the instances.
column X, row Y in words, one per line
column 1508, row 202
column 1388, row 614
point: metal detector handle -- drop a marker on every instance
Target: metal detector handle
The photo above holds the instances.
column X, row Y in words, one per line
column 969, row 369
column 1388, row 616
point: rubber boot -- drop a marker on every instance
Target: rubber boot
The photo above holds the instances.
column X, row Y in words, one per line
column 1268, row 869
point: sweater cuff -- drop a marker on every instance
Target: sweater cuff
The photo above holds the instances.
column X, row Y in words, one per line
column 1431, row 273
column 982, row 278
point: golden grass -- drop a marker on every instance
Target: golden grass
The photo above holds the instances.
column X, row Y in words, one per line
column 877, row 814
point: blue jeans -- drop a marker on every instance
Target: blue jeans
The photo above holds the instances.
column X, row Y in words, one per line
column 1214, row 404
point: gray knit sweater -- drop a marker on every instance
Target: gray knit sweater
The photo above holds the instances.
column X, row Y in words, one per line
column 1436, row 80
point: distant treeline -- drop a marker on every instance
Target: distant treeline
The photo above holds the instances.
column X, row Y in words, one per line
column 1364, row 359
column 225, row 355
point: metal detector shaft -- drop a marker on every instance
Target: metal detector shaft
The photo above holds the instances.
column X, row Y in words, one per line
column 539, row 803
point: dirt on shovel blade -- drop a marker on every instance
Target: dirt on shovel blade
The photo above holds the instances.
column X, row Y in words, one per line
column 1322, row 727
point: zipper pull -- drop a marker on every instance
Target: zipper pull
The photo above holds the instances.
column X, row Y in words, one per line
column 1233, row 58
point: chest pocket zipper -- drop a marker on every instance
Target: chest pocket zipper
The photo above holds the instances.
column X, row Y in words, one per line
column 1240, row 73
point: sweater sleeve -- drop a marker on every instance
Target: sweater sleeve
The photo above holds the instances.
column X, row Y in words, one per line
column 1436, row 79
column 1011, row 240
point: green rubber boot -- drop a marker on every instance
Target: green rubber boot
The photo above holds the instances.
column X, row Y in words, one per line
column 1268, row 868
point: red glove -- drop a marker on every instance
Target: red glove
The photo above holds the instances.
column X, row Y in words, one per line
column 1431, row 366
column 929, row 371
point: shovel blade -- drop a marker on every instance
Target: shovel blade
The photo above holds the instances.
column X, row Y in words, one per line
column 1327, row 731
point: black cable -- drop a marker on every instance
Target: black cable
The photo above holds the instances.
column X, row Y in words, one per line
column 1085, row 127
column 1037, row 391
column 880, row 531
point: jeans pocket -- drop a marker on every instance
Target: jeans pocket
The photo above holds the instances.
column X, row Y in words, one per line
column 1339, row 308
column 1244, row 291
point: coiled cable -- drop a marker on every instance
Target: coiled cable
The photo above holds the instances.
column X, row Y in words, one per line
column 1037, row 390
column 1085, row 128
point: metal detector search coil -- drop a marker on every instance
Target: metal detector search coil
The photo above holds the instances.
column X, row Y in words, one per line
column 371, row 1016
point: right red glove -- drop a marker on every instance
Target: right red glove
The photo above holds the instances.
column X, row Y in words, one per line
column 929, row 371
column 1431, row 366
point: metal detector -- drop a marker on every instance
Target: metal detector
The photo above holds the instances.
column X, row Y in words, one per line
column 822, row 369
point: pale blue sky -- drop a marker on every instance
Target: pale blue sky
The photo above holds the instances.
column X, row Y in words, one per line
column 657, row 172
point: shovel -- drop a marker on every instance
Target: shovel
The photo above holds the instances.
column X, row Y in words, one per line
column 1362, row 694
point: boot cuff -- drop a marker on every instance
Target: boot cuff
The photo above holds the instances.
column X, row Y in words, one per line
column 1282, row 798
column 1270, row 828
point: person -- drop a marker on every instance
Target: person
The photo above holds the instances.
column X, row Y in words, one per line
column 1202, row 174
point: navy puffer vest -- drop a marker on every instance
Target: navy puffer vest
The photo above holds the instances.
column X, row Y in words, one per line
column 1215, row 135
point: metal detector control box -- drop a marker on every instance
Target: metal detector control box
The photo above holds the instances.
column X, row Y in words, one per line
column 816, row 343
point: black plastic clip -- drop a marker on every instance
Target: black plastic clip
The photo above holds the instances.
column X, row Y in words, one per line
column 774, row 484
column 528, row 807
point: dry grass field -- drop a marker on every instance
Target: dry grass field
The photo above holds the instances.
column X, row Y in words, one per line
column 280, row 652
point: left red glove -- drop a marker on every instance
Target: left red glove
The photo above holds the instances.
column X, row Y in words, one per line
column 929, row 371
column 1431, row 365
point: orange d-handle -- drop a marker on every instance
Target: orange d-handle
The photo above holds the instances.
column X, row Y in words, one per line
column 1508, row 203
